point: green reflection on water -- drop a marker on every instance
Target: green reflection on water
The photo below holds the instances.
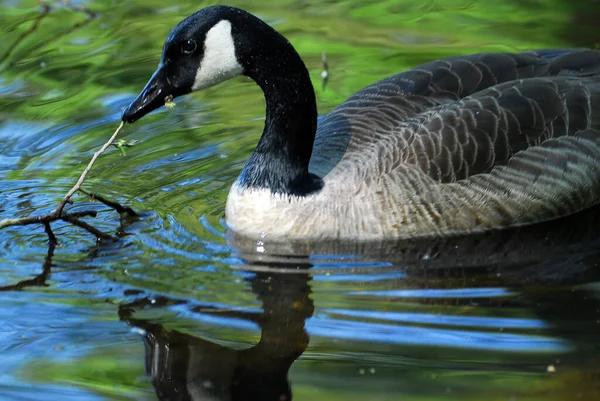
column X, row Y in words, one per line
column 66, row 73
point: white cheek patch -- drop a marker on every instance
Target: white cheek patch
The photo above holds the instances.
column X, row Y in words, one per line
column 219, row 63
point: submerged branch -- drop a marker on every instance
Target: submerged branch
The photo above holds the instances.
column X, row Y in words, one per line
column 74, row 217
column 45, row 219
column 51, row 237
column 112, row 204
column 40, row 279
column 59, row 213
column 92, row 230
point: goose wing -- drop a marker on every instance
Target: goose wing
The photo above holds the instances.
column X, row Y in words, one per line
column 468, row 137
column 439, row 98
column 466, row 144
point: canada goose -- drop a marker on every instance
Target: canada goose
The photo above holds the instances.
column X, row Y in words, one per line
column 454, row 146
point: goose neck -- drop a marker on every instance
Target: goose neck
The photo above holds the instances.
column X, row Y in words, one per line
column 280, row 161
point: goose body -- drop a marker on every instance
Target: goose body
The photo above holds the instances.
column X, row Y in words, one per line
column 455, row 146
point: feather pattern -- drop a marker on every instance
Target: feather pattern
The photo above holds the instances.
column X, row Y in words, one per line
column 459, row 145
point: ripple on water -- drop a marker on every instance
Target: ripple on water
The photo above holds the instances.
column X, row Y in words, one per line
column 433, row 336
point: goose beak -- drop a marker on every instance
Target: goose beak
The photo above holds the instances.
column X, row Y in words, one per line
column 151, row 98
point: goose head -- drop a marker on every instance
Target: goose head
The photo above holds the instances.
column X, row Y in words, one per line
column 220, row 42
column 204, row 49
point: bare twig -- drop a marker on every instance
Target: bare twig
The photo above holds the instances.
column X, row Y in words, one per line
column 59, row 214
column 112, row 204
column 74, row 217
column 77, row 186
column 45, row 219
column 76, row 222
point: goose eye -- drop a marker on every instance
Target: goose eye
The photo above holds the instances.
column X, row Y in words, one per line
column 188, row 46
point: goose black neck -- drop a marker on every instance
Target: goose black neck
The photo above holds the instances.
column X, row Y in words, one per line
column 280, row 161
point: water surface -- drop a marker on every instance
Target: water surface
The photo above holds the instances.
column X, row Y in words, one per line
column 177, row 310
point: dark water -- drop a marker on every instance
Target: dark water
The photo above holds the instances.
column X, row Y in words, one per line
column 176, row 309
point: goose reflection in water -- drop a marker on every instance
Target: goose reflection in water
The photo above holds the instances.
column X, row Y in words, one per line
column 184, row 367
column 540, row 268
